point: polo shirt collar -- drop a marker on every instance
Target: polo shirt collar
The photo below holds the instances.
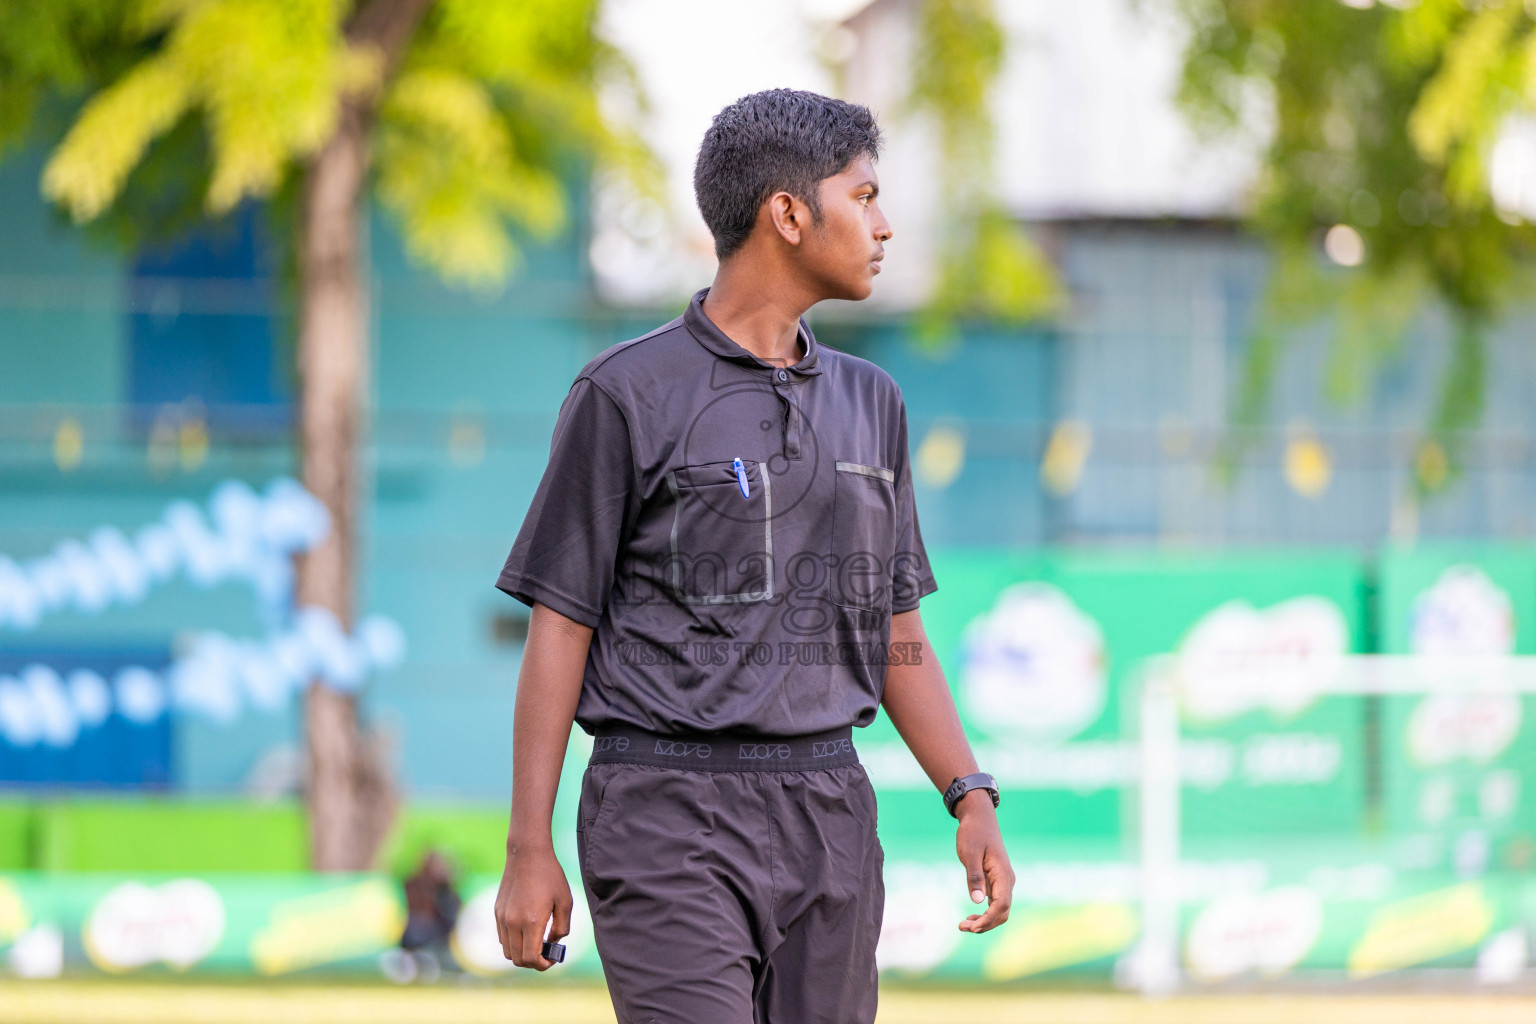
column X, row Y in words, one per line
column 713, row 338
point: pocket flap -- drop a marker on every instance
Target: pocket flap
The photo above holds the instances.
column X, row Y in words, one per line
column 875, row 471
column 706, row 474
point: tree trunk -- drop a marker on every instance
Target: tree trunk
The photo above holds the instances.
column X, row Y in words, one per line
column 351, row 797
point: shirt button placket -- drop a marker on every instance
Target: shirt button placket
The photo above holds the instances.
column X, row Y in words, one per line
column 791, row 418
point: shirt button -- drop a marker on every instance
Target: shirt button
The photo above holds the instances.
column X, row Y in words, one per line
column 783, row 375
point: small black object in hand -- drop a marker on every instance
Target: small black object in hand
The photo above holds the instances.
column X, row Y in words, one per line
column 554, row 951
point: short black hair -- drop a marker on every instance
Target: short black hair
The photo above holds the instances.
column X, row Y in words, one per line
column 780, row 139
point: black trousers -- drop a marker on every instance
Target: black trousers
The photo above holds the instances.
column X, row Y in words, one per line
column 723, row 896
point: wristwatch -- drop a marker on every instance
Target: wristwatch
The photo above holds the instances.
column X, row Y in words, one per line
column 960, row 787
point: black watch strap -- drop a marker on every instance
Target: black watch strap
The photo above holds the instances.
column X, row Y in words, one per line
column 962, row 786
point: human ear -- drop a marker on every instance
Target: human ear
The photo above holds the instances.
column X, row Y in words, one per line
column 788, row 216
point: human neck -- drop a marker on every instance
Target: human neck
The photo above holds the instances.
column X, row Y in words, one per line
column 756, row 312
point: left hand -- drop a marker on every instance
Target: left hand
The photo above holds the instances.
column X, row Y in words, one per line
column 979, row 844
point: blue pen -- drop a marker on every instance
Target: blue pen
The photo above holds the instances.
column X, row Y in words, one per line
column 741, row 477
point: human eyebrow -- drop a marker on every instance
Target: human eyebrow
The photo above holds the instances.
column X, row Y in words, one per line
column 874, row 189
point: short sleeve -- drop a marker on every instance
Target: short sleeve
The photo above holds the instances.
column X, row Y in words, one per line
column 565, row 554
column 911, row 576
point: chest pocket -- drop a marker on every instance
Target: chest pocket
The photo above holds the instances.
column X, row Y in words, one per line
column 863, row 535
column 722, row 540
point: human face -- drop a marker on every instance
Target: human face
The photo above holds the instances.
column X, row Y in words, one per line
column 845, row 245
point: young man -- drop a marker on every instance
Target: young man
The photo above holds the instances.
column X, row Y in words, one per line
column 724, row 565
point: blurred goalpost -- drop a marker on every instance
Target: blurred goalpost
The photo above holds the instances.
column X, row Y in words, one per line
column 1469, row 700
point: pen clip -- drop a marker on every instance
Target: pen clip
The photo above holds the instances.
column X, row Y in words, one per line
column 741, row 477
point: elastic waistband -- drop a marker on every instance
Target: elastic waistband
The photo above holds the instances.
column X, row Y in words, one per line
column 724, row 751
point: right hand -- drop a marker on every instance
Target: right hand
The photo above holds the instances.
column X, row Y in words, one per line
column 533, row 889
column 979, row 843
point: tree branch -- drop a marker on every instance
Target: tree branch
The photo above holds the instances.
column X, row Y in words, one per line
column 388, row 26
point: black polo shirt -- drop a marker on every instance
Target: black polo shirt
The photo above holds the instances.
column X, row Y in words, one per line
column 756, row 599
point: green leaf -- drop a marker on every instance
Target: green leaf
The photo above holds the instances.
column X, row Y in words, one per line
column 88, row 169
column 1384, row 120
column 449, row 171
column 988, row 265
column 491, row 106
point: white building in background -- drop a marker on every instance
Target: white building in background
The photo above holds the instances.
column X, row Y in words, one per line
column 1087, row 125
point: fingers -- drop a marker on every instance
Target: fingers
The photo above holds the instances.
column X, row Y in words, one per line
column 505, row 931
column 534, row 903
column 975, row 876
column 522, row 934
column 1000, row 890
column 502, row 935
column 562, row 922
column 532, row 942
column 988, row 919
column 984, row 922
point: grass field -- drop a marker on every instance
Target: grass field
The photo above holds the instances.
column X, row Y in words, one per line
column 107, row 1002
